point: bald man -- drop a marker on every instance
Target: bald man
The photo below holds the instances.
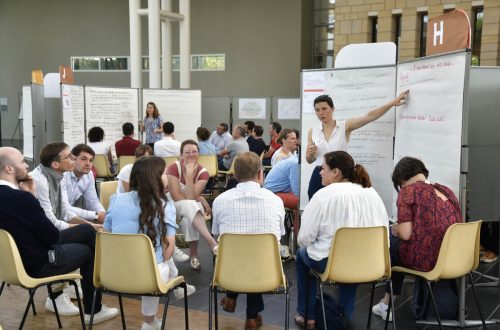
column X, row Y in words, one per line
column 35, row 235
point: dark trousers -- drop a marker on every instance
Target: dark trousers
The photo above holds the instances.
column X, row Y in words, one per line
column 397, row 277
column 315, row 182
column 489, row 236
column 75, row 249
column 255, row 304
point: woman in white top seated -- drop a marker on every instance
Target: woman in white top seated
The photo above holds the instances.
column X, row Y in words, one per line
column 288, row 139
column 348, row 200
column 96, row 137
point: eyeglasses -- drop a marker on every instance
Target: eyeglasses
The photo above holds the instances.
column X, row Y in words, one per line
column 189, row 153
column 69, row 156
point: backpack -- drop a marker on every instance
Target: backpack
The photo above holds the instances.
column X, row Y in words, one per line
column 446, row 295
column 335, row 319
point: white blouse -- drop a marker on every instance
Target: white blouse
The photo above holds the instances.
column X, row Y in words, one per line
column 337, row 140
column 342, row 204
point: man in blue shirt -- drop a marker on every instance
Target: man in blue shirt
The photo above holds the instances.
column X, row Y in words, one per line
column 283, row 180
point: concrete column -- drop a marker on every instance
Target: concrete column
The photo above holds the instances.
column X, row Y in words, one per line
column 154, row 43
column 166, row 47
column 185, row 44
column 135, row 44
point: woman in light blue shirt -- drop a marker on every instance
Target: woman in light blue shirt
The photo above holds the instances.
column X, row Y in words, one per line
column 205, row 147
column 145, row 209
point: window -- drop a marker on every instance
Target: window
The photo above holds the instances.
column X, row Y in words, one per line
column 212, row 62
column 424, row 18
column 373, row 23
column 323, row 26
column 477, row 34
column 114, row 63
column 397, row 32
column 85, row 63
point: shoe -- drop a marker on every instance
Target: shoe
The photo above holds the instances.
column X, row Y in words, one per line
column 64, row 306
column 155, row 326
column 195, row 263
column 380, row 309
column 488, row 257
column 215, row 250
column 180, row 256
column 284, row 251
column 300, row 321
column 179, row 292
column 70, row 291
column 106, row 313
column 228, row 304
column 252, row 324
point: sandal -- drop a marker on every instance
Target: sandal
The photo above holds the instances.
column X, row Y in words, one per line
column 195, row 263
column 300, row 321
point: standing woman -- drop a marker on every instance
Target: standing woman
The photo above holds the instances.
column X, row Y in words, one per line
column 333, row 135
column 152, row 125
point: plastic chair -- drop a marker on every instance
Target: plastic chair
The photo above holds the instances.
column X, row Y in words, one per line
column 106, row 189
column 126, row 264
column 228, row 173
column 458, row 256
column 170, row 160
column 248, row 263
column 12, row 272
column 367, row 262
column 209, row 162
column 125, row 160
column 102, row 167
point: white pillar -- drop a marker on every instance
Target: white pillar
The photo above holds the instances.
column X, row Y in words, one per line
column 135, row 44
column 166, row 47
column 184, row 44
column 154, row 43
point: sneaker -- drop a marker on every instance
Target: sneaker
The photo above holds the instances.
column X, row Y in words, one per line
column 179, row 292
column 488, row 257
column 195, row 263
column 284, row 251
column 106, row 313
column 155, row 326
column 380, row 309
column 70, row 291
column 180, row 256
column 64, row 306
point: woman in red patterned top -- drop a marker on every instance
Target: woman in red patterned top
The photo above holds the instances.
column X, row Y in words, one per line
column 425, row 211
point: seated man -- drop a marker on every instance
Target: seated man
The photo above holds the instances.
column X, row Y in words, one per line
column 234, row 212
column 168, row 146
column 257, row 144
column 79, row 185
column 283, row 180
column 35, row 234
column 220, row 138
column 127, row 145
column 238, row 145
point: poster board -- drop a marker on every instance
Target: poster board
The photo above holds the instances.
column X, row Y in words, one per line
column 109, row 108
column 73, row 114
column 182, row 107
column 354, row 92
column 27, row 117
column 288, row 109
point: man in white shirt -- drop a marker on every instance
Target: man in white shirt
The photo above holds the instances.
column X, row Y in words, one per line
column 168, row 146
column 220, row 138
column 79, row 184
column 248, row 209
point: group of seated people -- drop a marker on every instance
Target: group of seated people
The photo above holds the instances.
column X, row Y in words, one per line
column 56, row 207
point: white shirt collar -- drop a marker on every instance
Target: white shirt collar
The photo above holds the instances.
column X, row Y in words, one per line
column 9, row 184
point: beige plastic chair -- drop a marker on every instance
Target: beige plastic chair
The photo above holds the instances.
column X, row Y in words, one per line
column 228, row 173
column 458, row 256
column 12, row 272
column 102, row 167
column 350, row 263
column 125, row 160
column 126, row 264
column 106, row 189
column 248, row 263
column 170, row 160
column 209, row 162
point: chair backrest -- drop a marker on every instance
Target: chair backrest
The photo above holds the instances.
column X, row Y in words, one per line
column 459, row 252
column 106, row 189
column 101, row 165
column 126, row 263
column 358, row 255
column 231, row 169
column 11, row 266
column 125, row 160
column 170, row 160
column 210, row 163
column 249, row 263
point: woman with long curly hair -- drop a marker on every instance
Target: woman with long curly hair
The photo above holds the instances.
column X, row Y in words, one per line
column 145, row 209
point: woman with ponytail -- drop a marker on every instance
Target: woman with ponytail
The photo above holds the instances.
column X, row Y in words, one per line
column 347, row 200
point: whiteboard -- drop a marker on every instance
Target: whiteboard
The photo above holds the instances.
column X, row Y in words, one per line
column 182, row 107
column 27, row 116
column 354, row 92
column 73, row 114
column 429, row 127
column 110, row 108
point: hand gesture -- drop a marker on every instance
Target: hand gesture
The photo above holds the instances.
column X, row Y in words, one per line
column 401, row 98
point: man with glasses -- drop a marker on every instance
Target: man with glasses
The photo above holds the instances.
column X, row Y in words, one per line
column 79, row 186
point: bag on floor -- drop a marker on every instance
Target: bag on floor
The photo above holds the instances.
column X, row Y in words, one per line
column 335, row 319
column 445, row 294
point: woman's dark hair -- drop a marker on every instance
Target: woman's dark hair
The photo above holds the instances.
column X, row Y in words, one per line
column 96, row 134
column 202, row 133
column 156, row 113
column 355, row 173
column 407, row 168
column 145, row 178
column 324, row 98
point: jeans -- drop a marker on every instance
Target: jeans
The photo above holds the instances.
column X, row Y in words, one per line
column 347, row 292
column 396, row 277
column 75, row 249
column 315, row 182
column 255, row 304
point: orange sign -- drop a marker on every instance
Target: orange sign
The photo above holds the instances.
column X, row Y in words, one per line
column 448, row 32
column 37, row 77
column 66, row 75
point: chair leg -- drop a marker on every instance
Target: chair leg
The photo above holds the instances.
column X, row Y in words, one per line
column 434, row 305
column 287, row 306
column 73, row 283
column 210, row 294
column 122, row 312
column 1, row 288
column 164, row 317
column 392, row 306
column 370, row 307
column 49, row 289
column 32, row 306
column 216, row 316
column 32, row 293
column 186, row 309
column 477, row 300
column 320, row 287
column 92, row 309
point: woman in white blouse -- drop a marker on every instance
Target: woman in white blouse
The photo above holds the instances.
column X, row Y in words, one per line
column 332, row 134
column 348, row 200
